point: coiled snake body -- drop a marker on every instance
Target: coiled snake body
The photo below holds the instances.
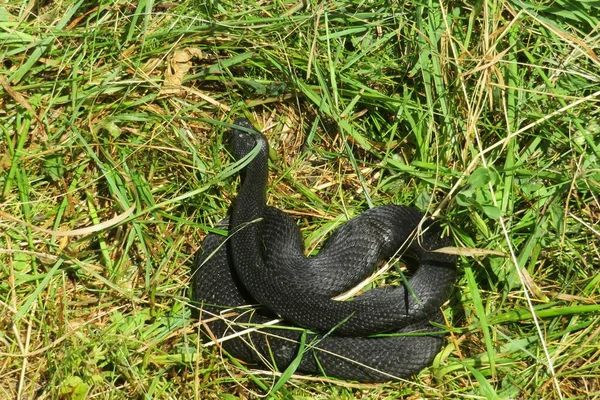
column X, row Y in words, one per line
column 262, row 262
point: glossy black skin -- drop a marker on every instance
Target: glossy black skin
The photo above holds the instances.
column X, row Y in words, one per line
column 263, row 262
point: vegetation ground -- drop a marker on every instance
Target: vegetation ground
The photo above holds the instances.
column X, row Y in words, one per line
column 113, row 167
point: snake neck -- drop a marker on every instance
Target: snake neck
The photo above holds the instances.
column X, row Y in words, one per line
column 251, row 200
column 245, row 224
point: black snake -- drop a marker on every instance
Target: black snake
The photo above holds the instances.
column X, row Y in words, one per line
column 382, row 334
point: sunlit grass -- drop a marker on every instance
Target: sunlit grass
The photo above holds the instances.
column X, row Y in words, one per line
column 486, row 116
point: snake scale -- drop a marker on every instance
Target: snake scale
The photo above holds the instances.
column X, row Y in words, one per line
column 383, row 334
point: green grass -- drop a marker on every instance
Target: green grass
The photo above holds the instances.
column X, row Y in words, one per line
column 487, row 116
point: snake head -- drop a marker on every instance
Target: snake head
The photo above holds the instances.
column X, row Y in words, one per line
column 244, row 138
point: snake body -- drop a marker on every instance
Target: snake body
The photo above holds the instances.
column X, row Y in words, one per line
column 262, row 262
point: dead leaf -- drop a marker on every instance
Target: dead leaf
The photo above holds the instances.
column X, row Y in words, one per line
column 178, row 66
